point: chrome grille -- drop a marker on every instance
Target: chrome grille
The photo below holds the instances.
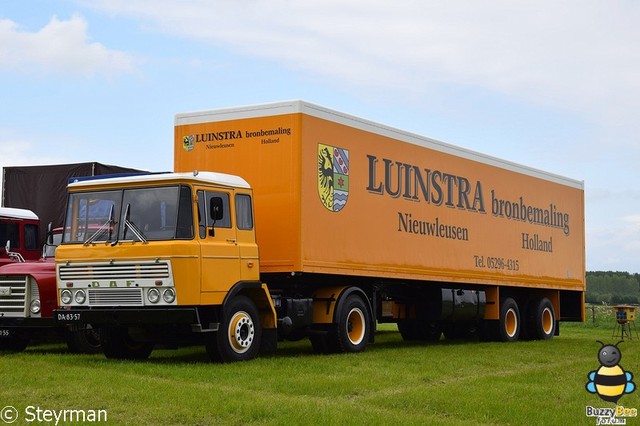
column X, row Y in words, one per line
column 106, row 271
column 115, row 296
column 13, row 295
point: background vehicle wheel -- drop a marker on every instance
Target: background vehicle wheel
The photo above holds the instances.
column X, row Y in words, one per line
column 239, row 337
column 541, row 320
column 353, row 325
column 509, row 324
column 118, row 344
column 14, row 344
column 83, row 339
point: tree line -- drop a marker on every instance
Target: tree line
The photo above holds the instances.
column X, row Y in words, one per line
column 613, row 288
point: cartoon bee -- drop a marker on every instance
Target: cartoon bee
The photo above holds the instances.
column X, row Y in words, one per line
column 610, row 381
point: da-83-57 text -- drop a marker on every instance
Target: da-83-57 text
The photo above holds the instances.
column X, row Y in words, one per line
column 68, row 317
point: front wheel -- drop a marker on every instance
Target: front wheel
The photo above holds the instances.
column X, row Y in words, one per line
column 239, row 337
column 14, row 344
column 83, row 339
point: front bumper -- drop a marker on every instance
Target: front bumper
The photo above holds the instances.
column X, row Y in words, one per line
column 127, row 316
column 26, row 327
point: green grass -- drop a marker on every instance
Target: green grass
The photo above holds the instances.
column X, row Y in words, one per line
column 392, row 382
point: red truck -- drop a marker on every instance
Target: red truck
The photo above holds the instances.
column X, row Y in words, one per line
column 28, row 293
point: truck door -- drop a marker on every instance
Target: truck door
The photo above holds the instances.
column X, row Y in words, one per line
column 219, row 250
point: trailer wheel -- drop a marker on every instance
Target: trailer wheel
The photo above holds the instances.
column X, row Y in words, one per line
column 84, row 340
column 509, row 325
column 353, row 325
column 239, row 337
column 118, row 344
column 541, row 320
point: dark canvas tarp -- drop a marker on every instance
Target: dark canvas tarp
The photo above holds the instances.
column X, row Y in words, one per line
column 43, row 189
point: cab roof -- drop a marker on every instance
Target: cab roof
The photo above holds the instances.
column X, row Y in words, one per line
column 215, row 178
column 13, row 213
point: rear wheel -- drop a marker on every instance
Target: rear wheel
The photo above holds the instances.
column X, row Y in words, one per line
column 118, row 344
column 239, row 337
column 350, row 332
column 354, row 325
column 509, row 325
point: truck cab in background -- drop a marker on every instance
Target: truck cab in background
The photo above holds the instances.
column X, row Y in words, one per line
column 19, row 235
column 28, row 297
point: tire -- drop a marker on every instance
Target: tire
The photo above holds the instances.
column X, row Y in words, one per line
column 459, row 331
column 85, row 340
column 541, row 320
column 117, row 344
column 14, row 344
column 416, row 330
column 353, row 325
column 239, row 337
column 509, row 326
column 321, row 343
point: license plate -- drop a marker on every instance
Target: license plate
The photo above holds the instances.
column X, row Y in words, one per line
column 68, row 316
column 5, row 332
column 5, row 291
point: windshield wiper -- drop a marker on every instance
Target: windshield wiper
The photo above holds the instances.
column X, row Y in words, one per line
column 108, row 225
column 130, row 225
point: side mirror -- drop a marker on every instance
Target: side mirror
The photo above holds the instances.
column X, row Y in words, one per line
column 216, row 212
column 50, row 234
column 216, row 208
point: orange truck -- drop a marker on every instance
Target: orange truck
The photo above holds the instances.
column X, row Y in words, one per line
column 289, row 221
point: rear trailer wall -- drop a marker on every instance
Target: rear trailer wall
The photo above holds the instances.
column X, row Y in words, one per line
column 339, row 195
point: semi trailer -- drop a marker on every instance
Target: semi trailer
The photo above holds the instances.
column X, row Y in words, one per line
column 290, row 220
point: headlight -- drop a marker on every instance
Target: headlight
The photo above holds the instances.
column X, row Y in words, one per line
column 80, row 297
column 34, row 307
column 169, row 295
column 65, row 296
column 153, row 295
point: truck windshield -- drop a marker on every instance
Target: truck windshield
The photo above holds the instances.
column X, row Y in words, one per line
column 160, row 213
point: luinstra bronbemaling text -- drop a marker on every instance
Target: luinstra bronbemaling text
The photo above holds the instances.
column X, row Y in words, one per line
column 421, row 184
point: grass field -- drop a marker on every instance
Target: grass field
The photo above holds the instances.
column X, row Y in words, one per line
column 392, row 382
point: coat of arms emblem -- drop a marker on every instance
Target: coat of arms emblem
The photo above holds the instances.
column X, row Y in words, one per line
column 333, row 176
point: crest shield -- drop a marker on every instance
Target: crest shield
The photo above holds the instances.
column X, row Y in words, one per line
column 333, row 176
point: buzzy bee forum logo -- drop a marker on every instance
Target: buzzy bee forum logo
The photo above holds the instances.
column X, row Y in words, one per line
column 610, row 382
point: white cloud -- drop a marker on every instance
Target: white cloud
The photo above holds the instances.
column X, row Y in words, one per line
column 15, row 152
column 59, row 47
column 576, row 55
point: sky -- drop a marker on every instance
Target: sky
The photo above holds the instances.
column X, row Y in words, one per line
column 553, row 85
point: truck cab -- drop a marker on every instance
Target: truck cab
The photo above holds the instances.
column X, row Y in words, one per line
column 19, row 235
column 164, row 258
